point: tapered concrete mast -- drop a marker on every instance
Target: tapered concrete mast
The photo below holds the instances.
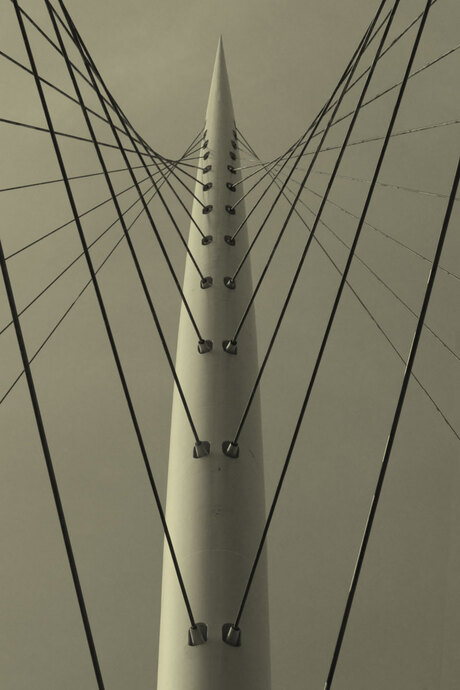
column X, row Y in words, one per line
column 215, row 503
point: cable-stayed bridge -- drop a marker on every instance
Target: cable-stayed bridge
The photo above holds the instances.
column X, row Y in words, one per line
column 342, row 228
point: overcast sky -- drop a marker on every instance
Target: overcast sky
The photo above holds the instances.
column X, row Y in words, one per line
column 283, row 59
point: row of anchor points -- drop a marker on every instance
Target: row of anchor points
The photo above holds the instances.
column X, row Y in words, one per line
column 229, row 346
column 199, row 635
column 203, row 448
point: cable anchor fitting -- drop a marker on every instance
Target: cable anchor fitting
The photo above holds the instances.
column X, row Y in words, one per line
column 231, row 169
column 207, row 239
column 229, row 240
column 231, row 186
column 207, row 169
column 204, row 346
column 231, row 635
column 200, row 450
column 207, row 186
column 207, row 209
column 234, row 144
column 232, row 155
column 205, row 144
column 230, row 449
column 230, row 346
column 197, row 635
column 229, row 283
column 206, row 156
column 206, row 282
column 229, row 210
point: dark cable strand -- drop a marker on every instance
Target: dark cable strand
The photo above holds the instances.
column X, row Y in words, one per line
column 62, row 134
column 110, row 185
column 291, row 150
column 368, row 140
column 385, row 284
column 360, row 300
column 51, row 42
column 73, row 303
column 399, row 187
column 92, row 70
column 71, row 178
column 61, row 319
column 72, row 263
column 152, row 310
column 103, row 311
column 312, row 232
column 337, row 164
column 392, row 434
column 69, row 222
column 332, row 315
column 395, row 86
column 379, row 231
column 51, row 85
column 51, row 474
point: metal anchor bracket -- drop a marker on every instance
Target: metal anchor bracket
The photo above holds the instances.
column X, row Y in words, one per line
column 204, row 346
column 197, row 635
column 206, row 282
column 230, row 346
column 231, row 635
column 200, row 450
column 230, row 449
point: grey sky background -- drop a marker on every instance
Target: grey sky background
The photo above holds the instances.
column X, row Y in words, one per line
column 283, row 60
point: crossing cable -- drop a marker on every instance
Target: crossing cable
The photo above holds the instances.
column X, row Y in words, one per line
column 71, row 177
column 392, row 44
column 72, row 220
column 392, row 434
column 114, row 105
column 187, row 212
column 331, row 104
column 37, row 128
column 93, row 73
column 112, row 190
column 373, row 227
column 254, row 207
column 310, row 132
column 384, row 52
column 106, row 321
column 362, row 303
column 385, row 284
column 53, row 44
column 50, row 84
column 251, row 189
column 332, row 315
column 312, row 232
column 89, row 67
column 73, row 303
column 289, row 215
column 70, row 307
column 72, row 263
column 51, row 474
column 394, row 86
column 379, row 231
column 368, row 37
column 400, row 187
column 368, row 140
column 89, row 64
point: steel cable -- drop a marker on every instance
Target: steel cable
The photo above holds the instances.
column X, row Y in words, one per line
column 391, row 437
column 104, row 314
column 333, row 312
column 363, row 305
